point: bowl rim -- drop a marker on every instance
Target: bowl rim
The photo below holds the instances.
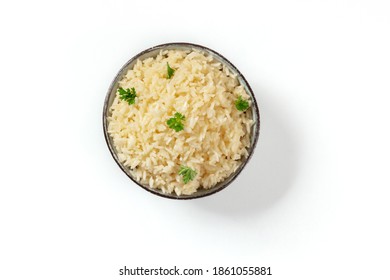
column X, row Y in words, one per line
column 239, row 74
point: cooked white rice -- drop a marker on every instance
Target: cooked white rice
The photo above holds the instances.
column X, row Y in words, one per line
column 215, row 136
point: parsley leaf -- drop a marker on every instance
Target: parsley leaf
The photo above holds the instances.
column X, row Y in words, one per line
column 241, row 104
column 128, row 95
column 187, row 173
column 176, row 122
column 170, row 71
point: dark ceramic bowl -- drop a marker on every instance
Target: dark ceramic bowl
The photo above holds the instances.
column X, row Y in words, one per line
column 152, row 52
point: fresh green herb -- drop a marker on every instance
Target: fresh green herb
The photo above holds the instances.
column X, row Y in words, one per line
column 176, row 122
column 128, row 95
column 187, row 173
column 170, row 71
column 241, row 104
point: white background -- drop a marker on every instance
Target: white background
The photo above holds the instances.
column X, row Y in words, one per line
column 313, row 203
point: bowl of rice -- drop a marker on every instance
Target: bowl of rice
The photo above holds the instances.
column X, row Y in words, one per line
column 180, row 120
